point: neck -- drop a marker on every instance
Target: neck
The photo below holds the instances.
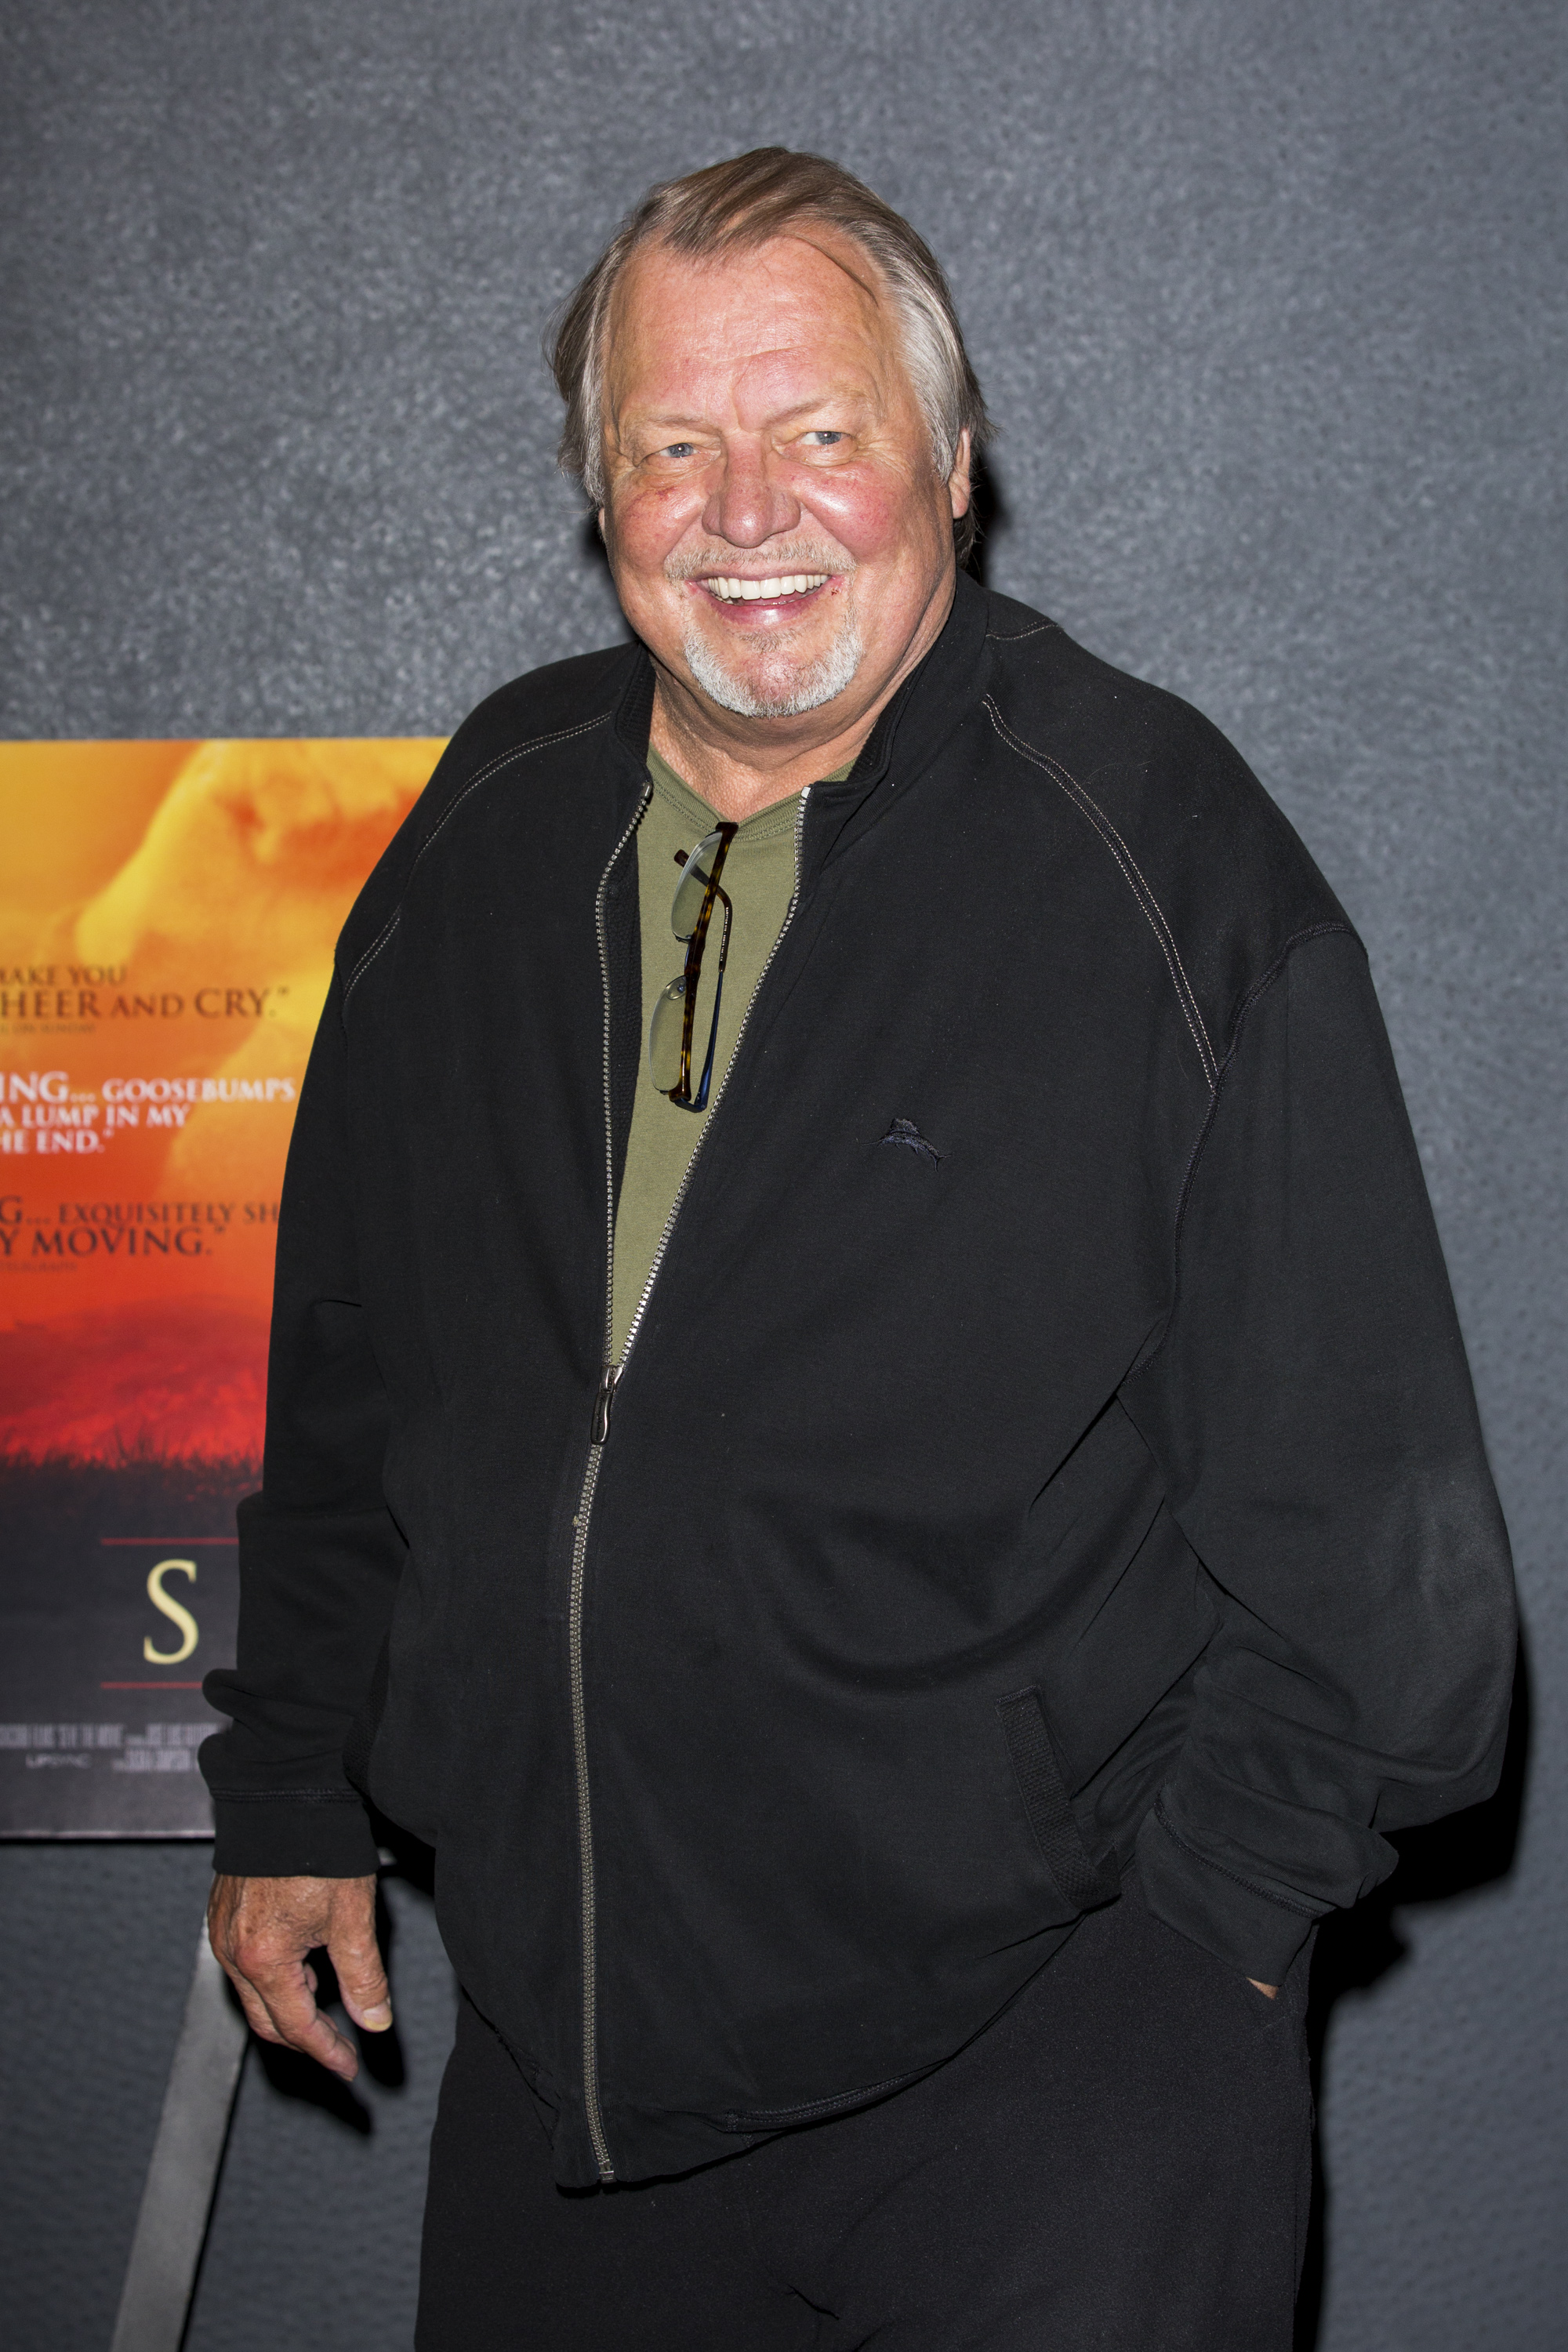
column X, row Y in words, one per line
column 740, row 766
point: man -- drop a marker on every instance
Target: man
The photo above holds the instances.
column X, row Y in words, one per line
column 866, row 1428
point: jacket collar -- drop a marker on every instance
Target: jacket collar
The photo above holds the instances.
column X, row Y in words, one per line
column 913, row 728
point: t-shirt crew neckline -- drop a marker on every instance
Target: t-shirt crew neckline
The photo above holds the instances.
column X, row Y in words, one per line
column 673, row 788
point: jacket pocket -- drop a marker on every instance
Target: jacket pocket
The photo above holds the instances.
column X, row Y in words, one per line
column 1084, row 1882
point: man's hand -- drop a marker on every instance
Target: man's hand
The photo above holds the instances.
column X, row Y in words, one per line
column 261, row 1930
column 1269, row 1991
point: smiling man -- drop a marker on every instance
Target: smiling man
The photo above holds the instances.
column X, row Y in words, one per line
column 865, row 1430
column 779, row 522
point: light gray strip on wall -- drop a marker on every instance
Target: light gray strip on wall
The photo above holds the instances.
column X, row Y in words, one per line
column 183, row 2174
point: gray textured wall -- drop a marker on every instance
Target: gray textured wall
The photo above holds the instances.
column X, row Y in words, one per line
column 1269, row 303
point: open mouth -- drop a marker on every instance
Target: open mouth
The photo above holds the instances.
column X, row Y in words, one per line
column 780, row 592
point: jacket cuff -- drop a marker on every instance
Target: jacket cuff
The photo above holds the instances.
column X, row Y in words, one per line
column 1240, row 1923
column 292, row 1837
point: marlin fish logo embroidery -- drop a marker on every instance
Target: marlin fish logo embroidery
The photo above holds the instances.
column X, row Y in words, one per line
column 905, row 1131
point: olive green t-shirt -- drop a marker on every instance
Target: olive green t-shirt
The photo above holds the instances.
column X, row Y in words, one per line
column 759, row 876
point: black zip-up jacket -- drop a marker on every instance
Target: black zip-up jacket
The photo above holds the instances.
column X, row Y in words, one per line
column 1048, row 1440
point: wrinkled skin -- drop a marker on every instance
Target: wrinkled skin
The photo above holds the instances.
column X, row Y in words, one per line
column 263, row 1929
column 760, row 422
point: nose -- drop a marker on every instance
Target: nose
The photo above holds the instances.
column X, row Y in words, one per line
column 748, row 503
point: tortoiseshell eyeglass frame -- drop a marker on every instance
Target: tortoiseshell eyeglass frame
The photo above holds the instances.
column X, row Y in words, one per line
column 680, row 1094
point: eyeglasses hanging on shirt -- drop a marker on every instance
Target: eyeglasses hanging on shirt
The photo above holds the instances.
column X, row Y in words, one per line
column 671, row 1031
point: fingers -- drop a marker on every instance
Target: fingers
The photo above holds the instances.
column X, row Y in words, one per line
column 289, row 2007
column 293, row 2008
column 254, row 2008
column 356, row 1955
column 262, row 1929
column 280, row 2007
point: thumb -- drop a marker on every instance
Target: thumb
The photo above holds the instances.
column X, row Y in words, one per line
column 361, row 1978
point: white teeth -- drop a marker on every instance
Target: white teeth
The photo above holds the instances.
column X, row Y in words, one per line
column 797, row 583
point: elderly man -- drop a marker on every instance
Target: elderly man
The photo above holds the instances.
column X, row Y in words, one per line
column 866, row 1428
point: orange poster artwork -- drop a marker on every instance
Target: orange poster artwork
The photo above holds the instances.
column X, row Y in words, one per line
column 168, row 913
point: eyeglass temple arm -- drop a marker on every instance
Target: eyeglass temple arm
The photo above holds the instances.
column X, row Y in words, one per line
column 723, row 896
column 699, row 1101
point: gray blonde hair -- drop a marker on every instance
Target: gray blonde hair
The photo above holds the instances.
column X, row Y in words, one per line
column 739, row 205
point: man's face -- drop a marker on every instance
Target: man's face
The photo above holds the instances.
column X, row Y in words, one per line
column 775, row 523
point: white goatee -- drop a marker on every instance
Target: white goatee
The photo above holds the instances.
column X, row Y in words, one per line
column 792, row 688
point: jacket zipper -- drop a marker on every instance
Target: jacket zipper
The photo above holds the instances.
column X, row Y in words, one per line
column 579, row 1560
column 608, row 1379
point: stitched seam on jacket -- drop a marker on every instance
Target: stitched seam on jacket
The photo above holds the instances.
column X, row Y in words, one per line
column 1016, row 636
column 1267, row 979
column 1259, row 988
column 503, row 760
column 1131, row 873
column 370, row 956
column 1268, row 1893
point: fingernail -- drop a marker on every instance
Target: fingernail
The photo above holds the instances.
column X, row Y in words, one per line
column 377, row 2020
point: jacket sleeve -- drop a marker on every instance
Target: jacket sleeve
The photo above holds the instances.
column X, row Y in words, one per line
column 1311, row 1410
column 319, row 1552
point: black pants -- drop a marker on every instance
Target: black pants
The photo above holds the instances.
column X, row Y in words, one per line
column 1122, row 2160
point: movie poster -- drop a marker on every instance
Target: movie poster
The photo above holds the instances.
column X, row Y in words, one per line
column 168, row 913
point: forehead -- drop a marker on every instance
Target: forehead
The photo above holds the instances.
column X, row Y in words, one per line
column 809, row 300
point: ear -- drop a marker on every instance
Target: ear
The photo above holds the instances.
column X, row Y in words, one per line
column 959, row 483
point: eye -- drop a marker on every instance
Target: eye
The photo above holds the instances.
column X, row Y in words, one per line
column 821, row 438
column 677, row 449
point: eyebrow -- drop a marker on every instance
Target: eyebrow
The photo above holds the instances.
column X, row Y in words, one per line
column 661, row 420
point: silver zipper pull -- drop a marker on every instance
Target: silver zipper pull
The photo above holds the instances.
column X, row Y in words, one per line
column 607, row 1379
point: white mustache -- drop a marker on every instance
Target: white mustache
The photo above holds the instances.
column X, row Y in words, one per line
column 809, row 556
